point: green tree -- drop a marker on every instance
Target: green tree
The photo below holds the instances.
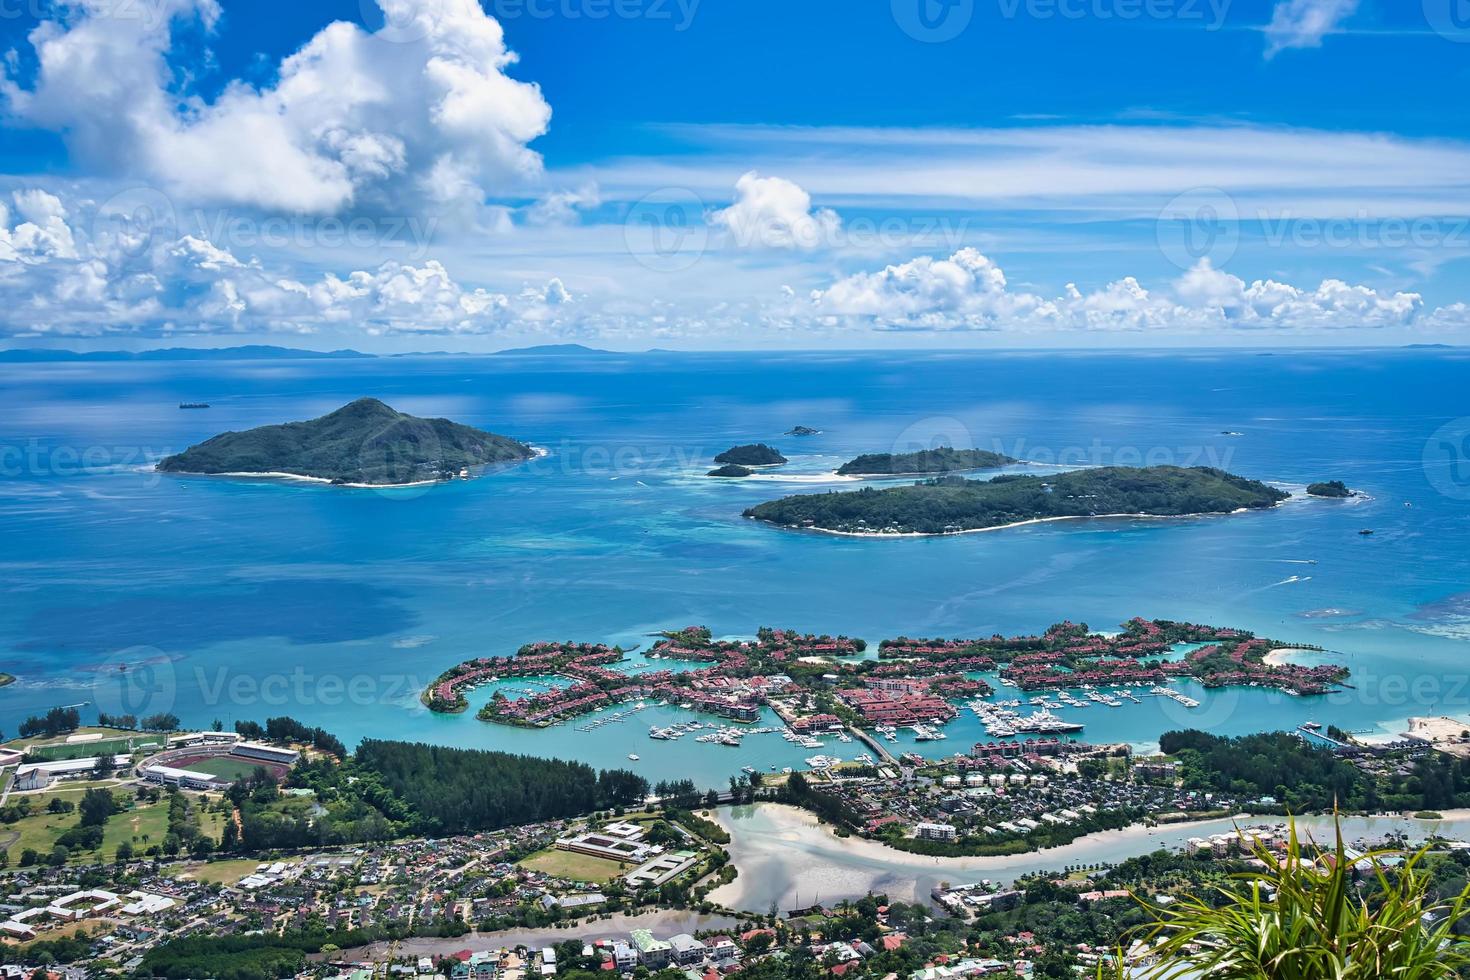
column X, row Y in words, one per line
column 97, row 805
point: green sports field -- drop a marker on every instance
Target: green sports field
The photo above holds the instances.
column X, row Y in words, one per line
column 224, row 767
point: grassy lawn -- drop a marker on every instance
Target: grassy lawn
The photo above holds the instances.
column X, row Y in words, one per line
column 582, row 867
column 220, row 872
column 56, row 747
column 225, row 768
column 56, row 752
column 40, row 830
column 61, row 930
column 211, row 823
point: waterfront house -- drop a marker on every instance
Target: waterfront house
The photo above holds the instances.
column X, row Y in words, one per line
column 686, row 949
column 652, row 953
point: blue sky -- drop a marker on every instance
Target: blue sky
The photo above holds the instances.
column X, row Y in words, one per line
column 414, row 174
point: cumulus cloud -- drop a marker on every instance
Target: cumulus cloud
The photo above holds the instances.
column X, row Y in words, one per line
column 771, row 212
column 967, row 291
column 420, row 114
column 41, row 231
column 1303, row 23
column 58, row 281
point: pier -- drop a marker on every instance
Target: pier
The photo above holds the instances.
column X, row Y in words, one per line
column 1312, row 736
column 882, row 754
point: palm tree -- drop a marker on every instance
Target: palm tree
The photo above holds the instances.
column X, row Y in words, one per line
column 1306, row 917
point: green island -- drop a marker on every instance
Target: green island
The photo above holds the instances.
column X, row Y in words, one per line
column 951, row 504
column 803, row 430
column 941, row 460
column 730, row 470
column 1329, row 488
column 752, row 454
column 363, row 443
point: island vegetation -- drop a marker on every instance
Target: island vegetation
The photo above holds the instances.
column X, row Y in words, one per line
column 803, row 430
column 730, row 470
column 363, row 443
column 951, row 504
column 941, row 460
column 1329, row 488
column 752, row 454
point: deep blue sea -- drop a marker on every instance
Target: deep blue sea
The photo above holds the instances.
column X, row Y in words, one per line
column 229, row 599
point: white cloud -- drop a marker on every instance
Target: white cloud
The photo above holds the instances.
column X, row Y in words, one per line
column 561, row 207
column 1303, row 23
column 56, row 283
column 771, row 212
column 967, row 291
column 1110, row 171
column 402, row 119
column 42, row 232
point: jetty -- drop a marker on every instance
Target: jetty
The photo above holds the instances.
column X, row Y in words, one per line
column 878, row 750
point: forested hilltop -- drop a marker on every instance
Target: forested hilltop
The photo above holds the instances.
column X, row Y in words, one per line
column 941, row 460
column 386, row 790
column 363, row 442
column 950, row 504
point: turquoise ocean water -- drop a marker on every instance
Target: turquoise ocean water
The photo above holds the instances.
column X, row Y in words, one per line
column 235, row 599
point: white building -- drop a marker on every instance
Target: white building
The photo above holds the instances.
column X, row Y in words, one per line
column 934, row 831
column 184, row 778
column 687, row 949
column 41, row 774
column 266, row 753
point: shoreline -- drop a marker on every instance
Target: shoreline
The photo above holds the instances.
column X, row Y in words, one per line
column 921, row 474
column 1281, row 656
column 777, row 839
column 865, row 847
column 536, row 453
column 1013, row 524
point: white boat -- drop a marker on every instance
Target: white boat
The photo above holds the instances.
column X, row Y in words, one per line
column 632, row 756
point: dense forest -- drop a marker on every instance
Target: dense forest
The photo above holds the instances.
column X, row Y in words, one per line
column 363, row 442
column 1303, row 777
column 941, row 460
column 1300, row 777
column 454, row 791
column 387, row 790
column 752, row 454
column 249, row 957
column 1329, row 488
column 949, row 504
